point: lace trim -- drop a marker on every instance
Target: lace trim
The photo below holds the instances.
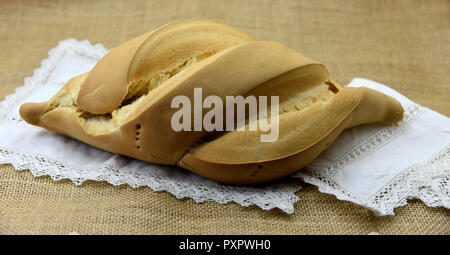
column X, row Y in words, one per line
column 175, row 180
column 277, row 195
column 428, row 181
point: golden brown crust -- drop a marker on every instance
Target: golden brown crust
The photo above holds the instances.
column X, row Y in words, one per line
column 159, row 50
column 106, row 85
column 240, row 158
column 124, row 104
column 228, row 73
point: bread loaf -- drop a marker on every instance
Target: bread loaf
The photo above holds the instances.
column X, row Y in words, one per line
column 123, row 105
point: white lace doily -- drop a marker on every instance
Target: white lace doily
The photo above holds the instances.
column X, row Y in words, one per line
column 375, row 167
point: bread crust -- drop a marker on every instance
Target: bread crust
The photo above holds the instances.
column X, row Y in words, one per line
column 123, row 105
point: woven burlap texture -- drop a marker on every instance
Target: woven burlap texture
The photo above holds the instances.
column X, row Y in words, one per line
column 404, row 44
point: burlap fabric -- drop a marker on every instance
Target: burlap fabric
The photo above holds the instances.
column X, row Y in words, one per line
column 405, row 44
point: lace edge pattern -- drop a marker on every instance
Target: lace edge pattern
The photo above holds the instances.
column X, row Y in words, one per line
column 266, row 197
column 428, row 181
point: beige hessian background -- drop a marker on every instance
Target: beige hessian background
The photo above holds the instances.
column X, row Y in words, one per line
column 405, row 44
